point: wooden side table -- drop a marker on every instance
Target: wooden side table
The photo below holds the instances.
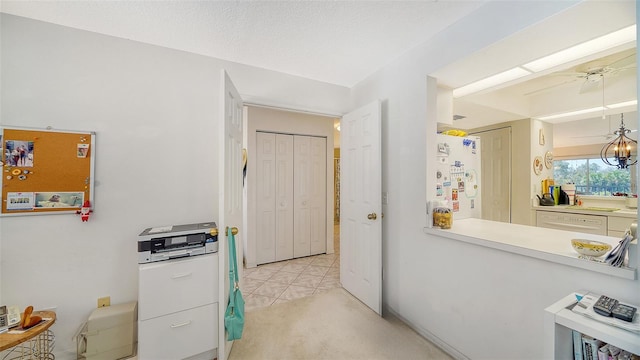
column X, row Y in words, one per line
column 35, row 343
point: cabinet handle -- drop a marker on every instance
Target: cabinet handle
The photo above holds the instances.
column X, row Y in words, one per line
column 177, row 276
column 173, row 326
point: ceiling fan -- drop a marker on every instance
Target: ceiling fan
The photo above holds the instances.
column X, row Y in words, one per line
column 593, row 73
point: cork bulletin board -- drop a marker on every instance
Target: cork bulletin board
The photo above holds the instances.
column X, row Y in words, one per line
column 46, row 171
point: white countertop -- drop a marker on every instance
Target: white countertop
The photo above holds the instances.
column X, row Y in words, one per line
column 536, row 242
column 623, row 212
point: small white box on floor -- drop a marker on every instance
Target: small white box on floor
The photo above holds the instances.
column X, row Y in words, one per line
column 110, row 333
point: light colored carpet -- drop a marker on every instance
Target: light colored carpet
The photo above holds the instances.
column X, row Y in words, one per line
column 332, row 325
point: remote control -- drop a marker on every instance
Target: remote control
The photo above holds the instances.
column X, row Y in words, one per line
column 623, row 312
column 605, row 305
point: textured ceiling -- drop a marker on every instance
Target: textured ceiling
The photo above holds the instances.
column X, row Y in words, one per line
column 343, row 42
column 339, row 42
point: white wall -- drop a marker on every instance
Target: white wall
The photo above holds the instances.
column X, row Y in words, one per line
column 538, row 149
column 155, row 112
column 449, row 290
column 284, row 122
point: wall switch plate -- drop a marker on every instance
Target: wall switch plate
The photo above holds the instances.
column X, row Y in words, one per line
column 104, row 301
column 385, row 198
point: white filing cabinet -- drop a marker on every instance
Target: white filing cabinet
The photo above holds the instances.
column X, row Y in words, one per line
column 178, row 307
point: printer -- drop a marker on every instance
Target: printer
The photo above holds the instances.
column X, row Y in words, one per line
column 177, row 241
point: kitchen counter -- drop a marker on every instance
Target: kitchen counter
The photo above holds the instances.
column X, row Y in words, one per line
column 541, row 243
column 573, row 209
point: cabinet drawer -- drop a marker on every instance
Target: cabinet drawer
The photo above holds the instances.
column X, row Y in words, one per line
column 179, row 335
column 620, row 223
column 616, row 233
column 584, row 223
column 170, row 286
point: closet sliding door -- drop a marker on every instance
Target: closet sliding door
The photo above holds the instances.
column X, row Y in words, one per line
column 274, row 197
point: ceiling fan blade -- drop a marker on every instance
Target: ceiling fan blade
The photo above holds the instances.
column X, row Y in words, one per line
column 629, row 61
column 548, row 88
column 589, row 85
column 569, row 73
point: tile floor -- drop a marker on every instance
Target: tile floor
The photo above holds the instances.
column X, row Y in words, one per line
column 291, row 279
column 287, row 280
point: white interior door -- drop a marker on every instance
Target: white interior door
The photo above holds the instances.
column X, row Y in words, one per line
column 302, row 196
column 318, row 195
column 274, row 197
column 284, row 197
column 230, row 195
column 360, row 201
column 266, row 197
column 496, row 174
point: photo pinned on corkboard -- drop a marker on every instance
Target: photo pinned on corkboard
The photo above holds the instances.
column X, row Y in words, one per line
column 45, row 171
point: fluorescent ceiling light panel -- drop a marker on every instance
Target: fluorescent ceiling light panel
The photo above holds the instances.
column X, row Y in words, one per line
column 602, row 43
column 623, row 104
column 491, row 81
column 571, row 113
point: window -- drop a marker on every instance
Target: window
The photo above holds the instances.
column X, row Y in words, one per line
column 592, row 176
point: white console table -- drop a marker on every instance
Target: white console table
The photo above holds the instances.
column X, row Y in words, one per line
column 559, row 321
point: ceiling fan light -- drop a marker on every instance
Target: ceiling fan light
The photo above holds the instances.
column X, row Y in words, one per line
column 601, row 43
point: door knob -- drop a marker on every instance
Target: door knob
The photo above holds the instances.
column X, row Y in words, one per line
column 234, row 231
column 372, row 216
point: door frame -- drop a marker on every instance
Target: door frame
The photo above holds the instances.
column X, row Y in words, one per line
column 284, row 125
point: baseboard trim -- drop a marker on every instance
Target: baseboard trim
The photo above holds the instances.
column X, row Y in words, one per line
column 453, row 352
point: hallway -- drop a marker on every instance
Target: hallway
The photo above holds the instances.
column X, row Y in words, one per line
column 287, row 280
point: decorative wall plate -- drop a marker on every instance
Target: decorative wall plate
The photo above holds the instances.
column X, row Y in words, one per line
column 537, row 165
column 548, row 160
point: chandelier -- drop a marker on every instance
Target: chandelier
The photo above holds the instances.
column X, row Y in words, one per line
column 620, row 148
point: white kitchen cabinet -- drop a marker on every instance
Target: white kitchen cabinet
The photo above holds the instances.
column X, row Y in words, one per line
column 585, row 223
column 560, row 321
column 178, row 307
column 592, row 222
column 291, row 198
column 618, row 226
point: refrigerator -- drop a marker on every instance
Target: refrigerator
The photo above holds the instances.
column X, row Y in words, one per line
column 458, row 176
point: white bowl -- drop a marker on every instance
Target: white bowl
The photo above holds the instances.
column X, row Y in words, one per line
column 590, row 247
